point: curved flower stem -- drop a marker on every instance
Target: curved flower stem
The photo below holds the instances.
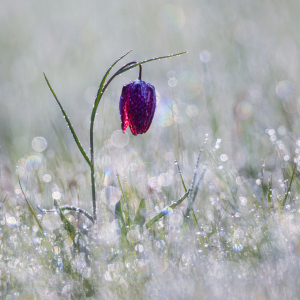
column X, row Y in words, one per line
column 140, row 73
column 92, row 138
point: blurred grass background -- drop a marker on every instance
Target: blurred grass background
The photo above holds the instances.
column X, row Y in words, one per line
column 251, row 47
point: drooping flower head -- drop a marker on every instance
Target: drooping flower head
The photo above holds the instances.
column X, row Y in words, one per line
column 137, row 106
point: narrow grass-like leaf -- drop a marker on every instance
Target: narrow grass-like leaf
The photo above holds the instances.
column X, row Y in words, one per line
column 289, row 188
column 30, row 208
column 124, row 205
column 148, row 60
column 68, row 226
column 262, row 171
column 161, row 214
column 4, row 198
column 119, row 214
column 69, row 124
column 191, row 210
column 98, row 97
column 140, row 213
column 179, row 170
column 270, row 190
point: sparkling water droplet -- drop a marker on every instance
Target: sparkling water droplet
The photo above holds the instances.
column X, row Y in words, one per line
column 167, row 211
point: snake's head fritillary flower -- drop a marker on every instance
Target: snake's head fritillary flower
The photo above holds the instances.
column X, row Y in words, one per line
column 137, row 106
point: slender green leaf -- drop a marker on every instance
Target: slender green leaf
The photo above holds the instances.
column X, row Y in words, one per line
column 68, row 226
column 179, row 170
column 118, row 213
column 69, row 124
column 124, row 205
column 148, row 60
column 98, row 97
column 270, row 190
column 140, row 213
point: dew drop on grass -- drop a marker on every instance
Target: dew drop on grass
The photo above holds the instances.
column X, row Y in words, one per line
column 167, row 211
column 119, row 138
column 47, row 178
column 51, row 221
column 39, row 144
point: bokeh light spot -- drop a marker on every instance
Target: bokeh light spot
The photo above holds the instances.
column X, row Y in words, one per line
column 119, row 138
column 39, row 144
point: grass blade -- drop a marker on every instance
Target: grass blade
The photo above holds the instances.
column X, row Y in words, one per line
column 151, row 59
column 30, row 208
column 270, row 190
column 99, row 93
column 124, row 205
column 69, row 124
column 289, row 188
column 118, row 213
column 179, row 170
column 140, row 213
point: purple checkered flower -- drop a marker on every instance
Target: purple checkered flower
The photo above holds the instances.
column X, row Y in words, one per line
column 137, row 106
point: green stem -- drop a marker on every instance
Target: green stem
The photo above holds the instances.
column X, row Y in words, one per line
column 102, row 87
